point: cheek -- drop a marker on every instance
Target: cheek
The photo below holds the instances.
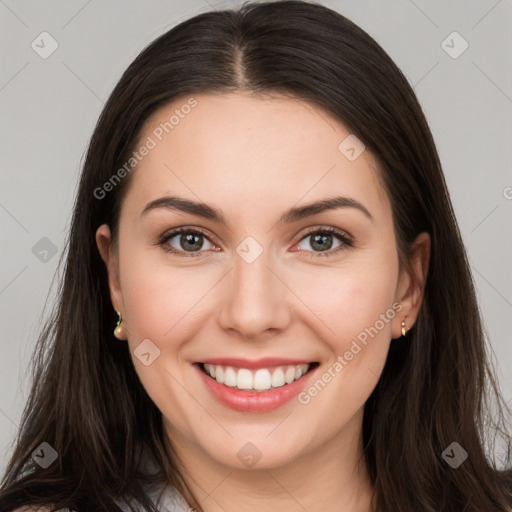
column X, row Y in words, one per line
column 359, row 313
column 151, row 298
column 165, row 302
column 353, row 301
column 159, row 301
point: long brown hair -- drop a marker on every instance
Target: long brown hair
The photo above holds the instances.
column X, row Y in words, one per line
column 437, row 387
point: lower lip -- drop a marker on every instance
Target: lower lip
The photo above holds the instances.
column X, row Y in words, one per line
column 254, row 401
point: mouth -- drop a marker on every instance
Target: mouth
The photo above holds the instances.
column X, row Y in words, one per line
column 258, row 386
column 256, row 380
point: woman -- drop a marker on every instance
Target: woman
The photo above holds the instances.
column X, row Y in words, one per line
column 266, row 301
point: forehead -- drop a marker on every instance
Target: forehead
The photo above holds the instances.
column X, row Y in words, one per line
column 252, row 151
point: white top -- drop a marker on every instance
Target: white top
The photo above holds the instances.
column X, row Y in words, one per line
column 166, row 500
column 170, row 500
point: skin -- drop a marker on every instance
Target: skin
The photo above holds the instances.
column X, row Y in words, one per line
column 254, row 157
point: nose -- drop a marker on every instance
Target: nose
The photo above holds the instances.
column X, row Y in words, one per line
column 255, row 299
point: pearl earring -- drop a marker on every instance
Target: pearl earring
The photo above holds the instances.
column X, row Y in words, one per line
column 119, row 331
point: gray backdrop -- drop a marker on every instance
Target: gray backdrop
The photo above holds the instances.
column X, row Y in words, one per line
column 60, row 60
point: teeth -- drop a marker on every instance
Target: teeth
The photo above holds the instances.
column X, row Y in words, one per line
column 278, row 378
column 230, row 377
column 263, row 379
column 244, row 379
column 289, row 376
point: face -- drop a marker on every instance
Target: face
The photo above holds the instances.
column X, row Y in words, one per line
column 292, row 309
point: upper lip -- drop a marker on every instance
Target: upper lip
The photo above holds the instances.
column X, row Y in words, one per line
column 264, row 362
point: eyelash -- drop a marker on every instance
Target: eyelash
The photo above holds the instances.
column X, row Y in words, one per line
column 346, row 240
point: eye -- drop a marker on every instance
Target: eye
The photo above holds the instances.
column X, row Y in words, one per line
column 191, row 242
column 322, row 241
column 185, row 242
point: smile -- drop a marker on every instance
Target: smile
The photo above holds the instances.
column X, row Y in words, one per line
column 264, row 379
column 255, row 386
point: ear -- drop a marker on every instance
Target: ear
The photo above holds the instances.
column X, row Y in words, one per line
column 110, row 258
column 411, row 284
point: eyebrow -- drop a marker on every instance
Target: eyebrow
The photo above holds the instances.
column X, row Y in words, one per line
column 292, row 215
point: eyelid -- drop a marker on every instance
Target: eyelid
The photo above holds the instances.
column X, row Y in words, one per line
column 328, row 229
column 345, row 238
column 162, row 241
